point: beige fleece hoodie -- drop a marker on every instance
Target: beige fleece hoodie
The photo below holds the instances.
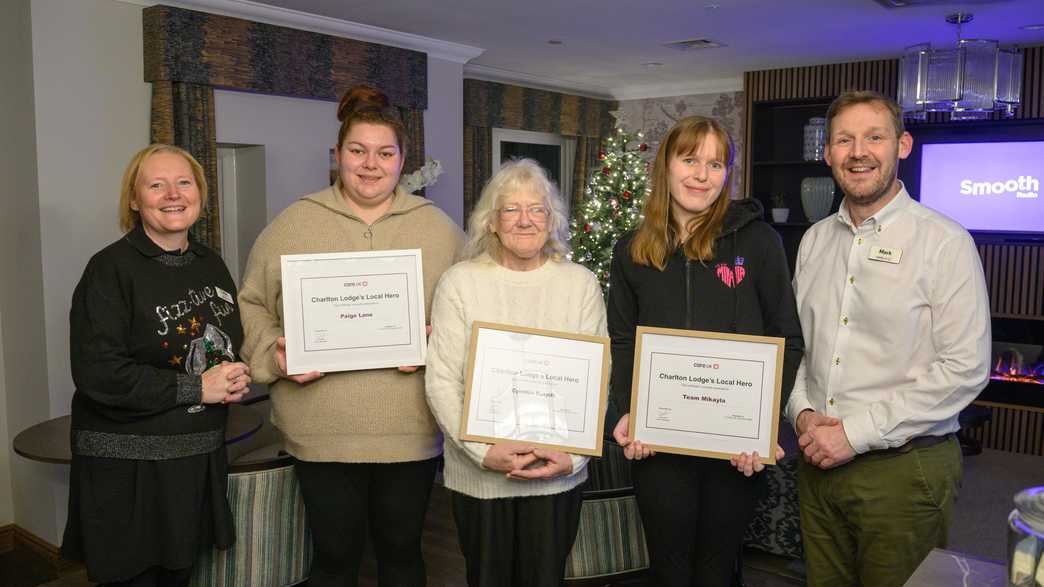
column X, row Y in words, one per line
column 372, row 416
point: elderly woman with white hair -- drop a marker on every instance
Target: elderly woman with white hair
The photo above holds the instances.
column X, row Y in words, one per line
column 517, row 507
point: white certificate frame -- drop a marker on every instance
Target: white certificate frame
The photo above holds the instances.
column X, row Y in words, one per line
column 554, row 376
column 690, row 392
column 331, row 325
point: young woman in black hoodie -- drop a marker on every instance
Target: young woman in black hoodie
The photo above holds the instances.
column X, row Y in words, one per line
column 699, row 262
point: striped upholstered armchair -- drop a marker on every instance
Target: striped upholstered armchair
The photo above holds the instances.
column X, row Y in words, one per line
column 610, row 542
column 273, row 547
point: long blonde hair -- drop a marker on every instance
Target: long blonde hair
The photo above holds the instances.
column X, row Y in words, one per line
column 658, row 236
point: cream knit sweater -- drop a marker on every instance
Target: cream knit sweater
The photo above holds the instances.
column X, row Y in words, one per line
column 373, row 416
column 558, row 296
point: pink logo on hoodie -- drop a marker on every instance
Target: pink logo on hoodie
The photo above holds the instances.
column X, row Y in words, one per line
column 731, row 276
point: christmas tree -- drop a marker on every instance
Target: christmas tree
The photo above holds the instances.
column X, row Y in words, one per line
column 612, row 203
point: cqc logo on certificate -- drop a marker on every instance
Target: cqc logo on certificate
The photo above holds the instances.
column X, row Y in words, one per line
column 540, row 387
column 706, row 393
column 350, row 311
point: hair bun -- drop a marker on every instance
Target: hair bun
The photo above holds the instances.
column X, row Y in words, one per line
column 361, row 98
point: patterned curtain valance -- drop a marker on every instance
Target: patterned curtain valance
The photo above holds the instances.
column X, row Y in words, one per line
column 224, row 52
column 489, row 104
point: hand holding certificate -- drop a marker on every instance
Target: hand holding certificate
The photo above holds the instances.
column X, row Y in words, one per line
column 538, row 387
column 706, row 393
column 350, row 311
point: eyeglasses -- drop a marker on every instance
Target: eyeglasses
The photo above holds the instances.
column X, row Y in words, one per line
column 537, row 213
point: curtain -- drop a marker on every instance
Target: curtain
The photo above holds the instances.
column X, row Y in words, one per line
column 587, row 149
column 478, row 164
column 183, row 115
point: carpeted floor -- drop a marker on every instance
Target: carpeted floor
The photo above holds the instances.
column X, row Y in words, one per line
column 991, row 480
column 979, row 528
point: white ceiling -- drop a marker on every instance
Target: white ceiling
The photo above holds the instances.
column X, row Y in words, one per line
column 606, row 42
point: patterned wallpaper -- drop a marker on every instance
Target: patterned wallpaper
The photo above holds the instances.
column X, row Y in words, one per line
column 655, row 116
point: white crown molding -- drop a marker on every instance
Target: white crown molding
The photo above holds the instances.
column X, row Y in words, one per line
column 255, row 11
column 709, row 86
column 539, row 82
column 635, row 92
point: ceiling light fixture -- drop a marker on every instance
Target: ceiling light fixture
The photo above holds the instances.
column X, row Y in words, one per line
column 969, row 81
column 1033, row 27
column 692, row 44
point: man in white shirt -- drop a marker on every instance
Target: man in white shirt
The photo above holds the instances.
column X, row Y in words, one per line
column 896, row 322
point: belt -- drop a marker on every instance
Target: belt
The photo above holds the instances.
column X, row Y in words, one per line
column 916, row 443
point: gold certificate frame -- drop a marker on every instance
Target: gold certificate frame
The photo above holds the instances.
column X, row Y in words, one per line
column 706, row 394
column 538, row 387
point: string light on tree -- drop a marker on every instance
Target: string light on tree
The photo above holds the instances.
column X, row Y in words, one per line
column 612, row 203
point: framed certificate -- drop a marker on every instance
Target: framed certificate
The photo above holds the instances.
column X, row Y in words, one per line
column 539, row 387
column 350, row 311
column 706, row 393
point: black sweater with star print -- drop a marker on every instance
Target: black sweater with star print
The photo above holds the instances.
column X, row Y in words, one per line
column 134, row 315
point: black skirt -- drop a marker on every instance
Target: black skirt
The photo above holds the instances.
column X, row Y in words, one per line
column 126, row 515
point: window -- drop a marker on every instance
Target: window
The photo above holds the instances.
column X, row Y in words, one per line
column 554, row 152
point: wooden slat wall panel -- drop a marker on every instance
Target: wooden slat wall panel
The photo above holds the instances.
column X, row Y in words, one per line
column 816, row 81
column 1014, row 279
column 1012, row 429
column 819, row 81
column 827, row 81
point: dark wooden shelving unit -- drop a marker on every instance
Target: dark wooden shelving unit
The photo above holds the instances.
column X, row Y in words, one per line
column 777, row 166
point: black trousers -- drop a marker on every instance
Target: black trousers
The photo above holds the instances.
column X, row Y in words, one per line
column 517, row 541
column 155, row 577
column 694, row 511
column 342, row 499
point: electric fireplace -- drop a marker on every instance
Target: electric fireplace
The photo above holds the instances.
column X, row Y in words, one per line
column 1017, row 367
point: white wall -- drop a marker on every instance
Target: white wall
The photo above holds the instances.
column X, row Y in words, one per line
column 23, row 365
column 6, row 497
column 92, row 115
column 444, row 134
column 297, row 134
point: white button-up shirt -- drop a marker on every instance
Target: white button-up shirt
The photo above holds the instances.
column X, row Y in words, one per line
column 896, row 323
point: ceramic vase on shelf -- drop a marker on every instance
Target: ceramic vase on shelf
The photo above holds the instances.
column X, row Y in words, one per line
column 817, row 195
column 815, row 138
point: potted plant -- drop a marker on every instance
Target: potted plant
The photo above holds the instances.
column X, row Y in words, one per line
column 780, row 212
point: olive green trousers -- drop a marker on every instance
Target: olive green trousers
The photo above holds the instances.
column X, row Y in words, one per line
column 871, row 521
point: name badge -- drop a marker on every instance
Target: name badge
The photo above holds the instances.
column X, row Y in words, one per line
column 224, row 295
column 886, row 254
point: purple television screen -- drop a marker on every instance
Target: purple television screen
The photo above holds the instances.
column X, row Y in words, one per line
column 985, row 186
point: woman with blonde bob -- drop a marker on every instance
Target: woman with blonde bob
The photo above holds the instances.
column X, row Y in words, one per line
column 517, row 507
column 154, row 330
column 698, row 261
